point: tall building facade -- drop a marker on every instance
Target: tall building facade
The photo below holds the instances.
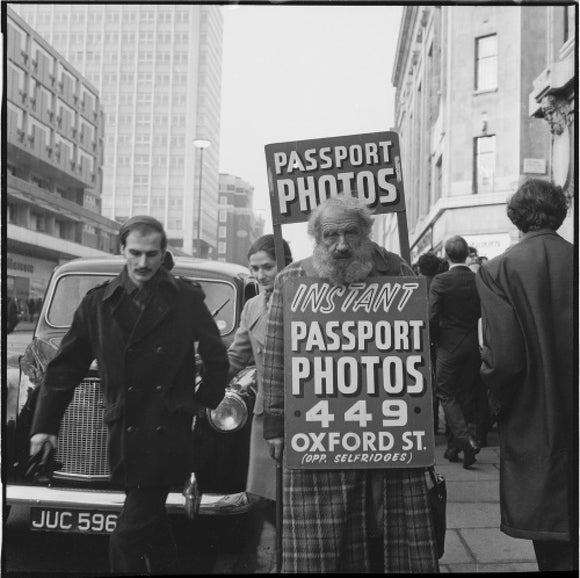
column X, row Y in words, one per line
column 463, row 76
column 54, row 152
column 238, row 226
column 158, row 69
column 553, row 99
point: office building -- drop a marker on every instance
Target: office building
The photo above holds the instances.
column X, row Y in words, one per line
column 158, row 70
column 54, row 151
column 238, row 225
column 463, row 76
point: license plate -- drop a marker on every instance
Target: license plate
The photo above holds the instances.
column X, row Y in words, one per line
column 80, row 521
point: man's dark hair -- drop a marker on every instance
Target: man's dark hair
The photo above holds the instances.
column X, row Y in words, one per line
column 429, row 264
column 143, row 224
column 266, row 243
column 456, row 249
column 537, row 204
column 472, row 251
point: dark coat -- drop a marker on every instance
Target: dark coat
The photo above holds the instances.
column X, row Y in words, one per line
column 453, row 307
column 148, row 378
column 527, row 297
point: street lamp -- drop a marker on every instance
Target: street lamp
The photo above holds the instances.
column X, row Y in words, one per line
column 200, row 143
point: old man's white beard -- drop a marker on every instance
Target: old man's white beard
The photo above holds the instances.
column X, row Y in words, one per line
column 343, row 271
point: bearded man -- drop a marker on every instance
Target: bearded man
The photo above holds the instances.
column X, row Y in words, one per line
column 343, row 520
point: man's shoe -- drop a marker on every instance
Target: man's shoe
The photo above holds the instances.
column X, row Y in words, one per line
column 471, row 447
column 451, row 454
column 468, row 458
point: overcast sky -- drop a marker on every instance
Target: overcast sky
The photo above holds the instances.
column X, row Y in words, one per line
column 300, row 72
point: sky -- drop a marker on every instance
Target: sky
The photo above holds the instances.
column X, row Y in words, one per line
column 300, row 72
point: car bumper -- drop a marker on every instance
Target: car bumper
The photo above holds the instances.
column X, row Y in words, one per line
column 76, row 499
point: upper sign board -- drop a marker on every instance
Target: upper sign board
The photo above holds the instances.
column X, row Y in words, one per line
column 303, row 174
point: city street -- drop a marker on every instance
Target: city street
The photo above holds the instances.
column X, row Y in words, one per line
column 474, row 542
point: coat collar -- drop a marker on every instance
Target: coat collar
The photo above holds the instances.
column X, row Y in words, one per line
column 531, row 234
column 119, row 283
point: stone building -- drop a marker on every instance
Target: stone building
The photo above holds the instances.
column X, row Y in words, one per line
column 463, row 76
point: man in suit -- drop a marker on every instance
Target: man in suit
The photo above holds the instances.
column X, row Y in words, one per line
column 454, row 311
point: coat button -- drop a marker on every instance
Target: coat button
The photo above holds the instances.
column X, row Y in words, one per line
column 131, row 429
column 131, row 389
column 160, row 429
column 159, row 349
column 158, row 387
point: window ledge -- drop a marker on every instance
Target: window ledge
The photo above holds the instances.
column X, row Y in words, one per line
column 488, row 91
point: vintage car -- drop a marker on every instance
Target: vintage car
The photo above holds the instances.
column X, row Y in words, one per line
column 78, row 497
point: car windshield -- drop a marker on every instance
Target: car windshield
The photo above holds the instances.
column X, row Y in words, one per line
column 70, row 289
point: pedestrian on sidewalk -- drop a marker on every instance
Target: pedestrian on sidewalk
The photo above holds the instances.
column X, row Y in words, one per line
column 248, row 348
column 341, row 520
column 527, row 298
column 429, row 265
column 141, row 327
column 454, row 311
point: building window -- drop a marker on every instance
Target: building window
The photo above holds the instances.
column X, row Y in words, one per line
column 484, row 168
column 222, row 232
column 486, row 63
column 568, row 22
column 221, row 247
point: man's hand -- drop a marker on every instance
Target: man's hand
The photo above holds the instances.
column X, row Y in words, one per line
column 276, row 448
column 38, row 440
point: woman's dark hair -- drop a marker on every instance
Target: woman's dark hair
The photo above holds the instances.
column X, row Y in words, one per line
column 429, row 264
column 142, row 223
column 266, row 243
column 537, row 204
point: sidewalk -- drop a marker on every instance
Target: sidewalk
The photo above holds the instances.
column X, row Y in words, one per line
column 25, row 326
column 474, row 542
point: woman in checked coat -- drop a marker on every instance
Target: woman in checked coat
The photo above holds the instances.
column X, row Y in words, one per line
column 248, row 348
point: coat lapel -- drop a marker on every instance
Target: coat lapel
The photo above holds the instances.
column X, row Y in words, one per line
column 152, row 315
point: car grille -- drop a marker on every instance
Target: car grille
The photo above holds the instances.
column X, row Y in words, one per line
column 82, row 439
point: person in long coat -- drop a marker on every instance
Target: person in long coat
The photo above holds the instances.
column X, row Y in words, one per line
column 246, row 349
column 142, row 328
column 527, row 297
column 344, row 520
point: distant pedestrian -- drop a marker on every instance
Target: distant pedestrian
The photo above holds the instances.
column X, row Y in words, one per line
column 527, row 297
column 454, row 311
column 429, row 265
column 12, row 315
column 32, row 309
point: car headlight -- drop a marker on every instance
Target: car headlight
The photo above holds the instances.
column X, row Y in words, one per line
column 230, row 415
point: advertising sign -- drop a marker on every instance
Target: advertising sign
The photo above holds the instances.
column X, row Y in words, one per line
column 302, row 174
column 357, row 387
